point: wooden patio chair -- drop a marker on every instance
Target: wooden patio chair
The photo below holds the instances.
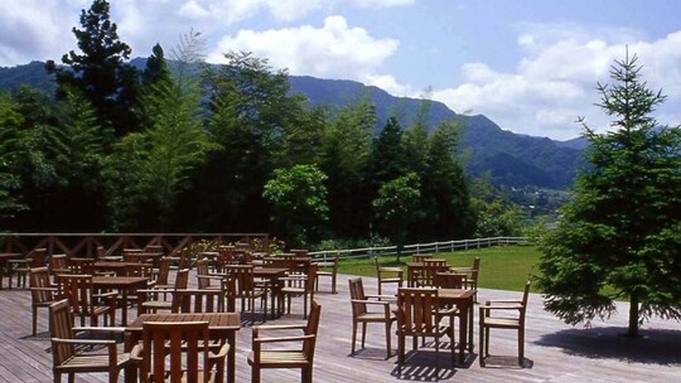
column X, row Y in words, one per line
column 419, row 314
column 300, row 284
column 198, row 301
column 154, row 300
column 515, row 322
column 241, row 285
column 178, row 352
column 69, row 359
column 205, row 278
column 82, row 266
column 59, row 264
column 360, row 314
column 80, row 292
column 388, row 275
column 448, row 280
column 329, row 269
column 22, row 267
column 162, row 274
column 43, row 293
column 424, row 277
column 472, row 273
column 299, row 357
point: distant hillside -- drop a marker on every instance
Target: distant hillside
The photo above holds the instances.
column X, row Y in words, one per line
column 511, row 159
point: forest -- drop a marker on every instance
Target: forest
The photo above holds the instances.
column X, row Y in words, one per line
column 182, row 146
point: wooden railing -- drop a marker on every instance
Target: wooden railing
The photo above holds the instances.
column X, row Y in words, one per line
column 85, row 244
column 419, row 248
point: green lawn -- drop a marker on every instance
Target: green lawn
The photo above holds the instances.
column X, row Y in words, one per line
column 501, row 267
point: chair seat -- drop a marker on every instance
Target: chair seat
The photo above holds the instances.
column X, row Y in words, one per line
column 280, row 358
column 502, row 322
column 96, row 362
column 374, row 317
column 441, row 330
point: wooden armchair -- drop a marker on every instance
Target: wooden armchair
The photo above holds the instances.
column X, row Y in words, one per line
column 198, row 301
column 424, row 277
column 205, row 278
column 82, row 266
column 242, row 286
column 302, row 358
column 330, row 269
column 43, row 292
column 59, row 264
column 515, row 322
column 471, row 273
column 178, row 352
column 80, row 292
column 66, row 357
column 419, row 314
column 360, row 314
column 153, row 300
column 300, row 284
column 21, row 267
column 388, row 275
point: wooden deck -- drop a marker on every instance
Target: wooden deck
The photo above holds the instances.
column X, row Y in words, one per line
column 555, row 352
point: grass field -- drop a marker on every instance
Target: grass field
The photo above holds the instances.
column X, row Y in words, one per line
column 501, row 267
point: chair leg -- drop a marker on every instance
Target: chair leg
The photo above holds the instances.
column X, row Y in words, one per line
column 35, row 321
column 113, row 376
column 400, row 350
column 57, row 377
column 437, row 357
column 306, row 375
column 255, row 374
column 521, row 347
column 379, row 286
column 481, row 334
column 72, row 377
column 354, row 335
column 387, row 339
column 333, row 284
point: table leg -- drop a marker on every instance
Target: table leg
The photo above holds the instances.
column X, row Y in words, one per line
column 471, row 319
column 124, row 310
column 463, row 330
column 131, row 368
column 2, row 273
column 231, row 357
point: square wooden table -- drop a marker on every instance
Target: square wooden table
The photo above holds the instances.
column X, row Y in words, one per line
column 273, row 275
column 413, row 268
column 463, row 299
column 4, row 258
column 221, row 327
column 122, row 284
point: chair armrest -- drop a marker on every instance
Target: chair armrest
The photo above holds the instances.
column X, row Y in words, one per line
column 379, row 303
column 136, row 353
column 221, row 354
column 116, row 330
column 376, row 296
column 489, row 308
column 91, row 342
column 52, row 289
column 280, row 327
column 284, row 339
column 491, row 302
column 391, row 269
column 446, row 312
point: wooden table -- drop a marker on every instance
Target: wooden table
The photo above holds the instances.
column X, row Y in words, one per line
column 122, row 284
column 120, row 268
column 4, row 258
column 273, row 275
column 221, row 326
column 463, row 299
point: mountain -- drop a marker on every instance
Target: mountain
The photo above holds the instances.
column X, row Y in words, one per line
column 510, row 159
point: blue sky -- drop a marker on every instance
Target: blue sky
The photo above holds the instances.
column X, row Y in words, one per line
column 529, row 65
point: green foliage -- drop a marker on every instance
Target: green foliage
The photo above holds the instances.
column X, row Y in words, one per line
column 388, row 154
column 495, row 216
column 10, row 120
column 100, row 73
column 396, row 206
column 345, row 160
column 619, row 237
column 161, row 159
column 299, row 197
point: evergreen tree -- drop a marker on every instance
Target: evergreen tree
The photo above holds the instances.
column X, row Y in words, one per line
column 619, row 237
column 388, row 154
column 100, row 73
column 157, row 68
column 10, row 182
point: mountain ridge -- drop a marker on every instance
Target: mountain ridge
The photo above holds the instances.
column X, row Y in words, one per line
column 510, row 159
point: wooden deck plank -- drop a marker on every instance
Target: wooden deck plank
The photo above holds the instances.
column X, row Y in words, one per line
column 556, row 353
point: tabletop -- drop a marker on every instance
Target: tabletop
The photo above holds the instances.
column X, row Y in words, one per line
column 216, row 321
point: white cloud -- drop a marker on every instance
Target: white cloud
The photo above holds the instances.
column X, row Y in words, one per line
column 554, row 83
column 335, row 50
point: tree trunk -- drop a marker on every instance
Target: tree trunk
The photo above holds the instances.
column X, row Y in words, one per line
column 633, row 315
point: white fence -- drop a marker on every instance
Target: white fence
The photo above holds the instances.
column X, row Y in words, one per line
column 419, row 248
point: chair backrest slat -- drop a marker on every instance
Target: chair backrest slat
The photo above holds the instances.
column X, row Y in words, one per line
column 416, row 307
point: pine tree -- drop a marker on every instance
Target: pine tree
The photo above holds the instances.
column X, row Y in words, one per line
column 620, row 236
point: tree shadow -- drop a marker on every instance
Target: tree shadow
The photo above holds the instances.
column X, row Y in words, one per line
column 420, row 366
column 662, row 347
